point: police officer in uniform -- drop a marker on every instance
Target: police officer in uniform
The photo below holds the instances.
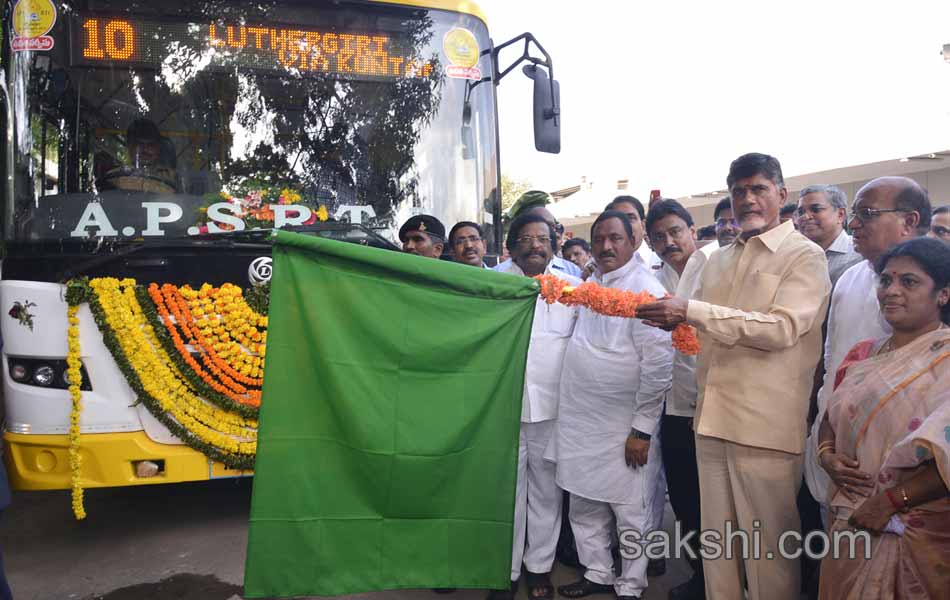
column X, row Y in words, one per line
column 423, row 235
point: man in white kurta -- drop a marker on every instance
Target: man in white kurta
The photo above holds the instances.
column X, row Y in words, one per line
column 537, row 522
column 611, row 399
column 855, row 314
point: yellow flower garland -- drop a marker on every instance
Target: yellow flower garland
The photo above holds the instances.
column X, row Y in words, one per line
column 74, row 374
column 218, row 428
column 231, row 327
column 195, row 406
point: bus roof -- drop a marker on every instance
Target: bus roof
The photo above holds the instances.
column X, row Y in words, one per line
column 462, row 6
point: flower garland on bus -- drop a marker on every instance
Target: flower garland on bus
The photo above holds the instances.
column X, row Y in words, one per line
column 74, row 375
column 166, row 378
column 612, row 303
column 252, row 207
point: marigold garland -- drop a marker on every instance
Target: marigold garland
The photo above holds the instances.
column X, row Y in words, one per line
column 74, row 373
column 166, row 396
column 132, row 330
column 613, row 303
column 198, row 334
column 201, row 383
column 216, row 380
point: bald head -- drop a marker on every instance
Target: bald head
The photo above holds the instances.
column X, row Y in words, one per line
column 886, row 212
column 907, row 195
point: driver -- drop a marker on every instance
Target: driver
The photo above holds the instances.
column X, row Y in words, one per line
column 151, row 161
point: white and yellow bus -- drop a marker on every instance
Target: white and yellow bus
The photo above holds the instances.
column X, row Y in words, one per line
column 162, row 140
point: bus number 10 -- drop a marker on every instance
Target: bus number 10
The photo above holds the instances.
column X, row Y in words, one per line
column 119, row 38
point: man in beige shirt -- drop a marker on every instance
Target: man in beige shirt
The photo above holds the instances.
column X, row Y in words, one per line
column 758, row 312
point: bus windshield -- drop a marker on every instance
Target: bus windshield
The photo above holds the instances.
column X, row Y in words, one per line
column 139, row 120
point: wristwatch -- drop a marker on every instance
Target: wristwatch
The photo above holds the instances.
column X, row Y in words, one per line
column 640, row 435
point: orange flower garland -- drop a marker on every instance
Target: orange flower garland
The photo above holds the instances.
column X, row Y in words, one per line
column 215, row 363
column 248, row 397
column 612, row 303
column 225, row 326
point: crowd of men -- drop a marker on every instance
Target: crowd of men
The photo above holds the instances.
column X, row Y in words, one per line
column 617, row 419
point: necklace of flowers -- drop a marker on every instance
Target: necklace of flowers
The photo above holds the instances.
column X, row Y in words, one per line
column 227, row 328
column 251, row 398
column 241, row 321
column 183, row 322
column 192, row 404
column 612, row 303
column 79, row 291
column 199, row 335
column 225, row 385
column 74, row 373
column 157, row 379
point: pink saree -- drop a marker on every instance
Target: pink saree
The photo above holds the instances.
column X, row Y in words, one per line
column 892, row 414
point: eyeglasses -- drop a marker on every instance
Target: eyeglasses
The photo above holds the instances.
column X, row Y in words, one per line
column 723, row 223
column 866, row 214
column 529, row 240
column 461, row 241
column 815, row 209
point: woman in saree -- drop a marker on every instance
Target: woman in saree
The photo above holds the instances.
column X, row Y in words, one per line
column 885, row 440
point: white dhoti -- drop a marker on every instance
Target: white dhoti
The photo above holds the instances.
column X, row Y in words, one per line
column 537, row 503
column 593, row 526
column 614, row 381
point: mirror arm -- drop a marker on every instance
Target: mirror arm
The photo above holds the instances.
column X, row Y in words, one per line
column 551, row 113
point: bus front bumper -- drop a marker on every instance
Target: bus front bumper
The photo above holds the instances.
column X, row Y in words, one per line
column 41, row 462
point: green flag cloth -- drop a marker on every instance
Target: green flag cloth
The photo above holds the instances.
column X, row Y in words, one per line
column 389, row 424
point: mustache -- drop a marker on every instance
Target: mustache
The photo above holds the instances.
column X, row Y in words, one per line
column 670, row 250
column 607, row 254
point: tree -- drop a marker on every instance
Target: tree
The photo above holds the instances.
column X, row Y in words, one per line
column 511, row 189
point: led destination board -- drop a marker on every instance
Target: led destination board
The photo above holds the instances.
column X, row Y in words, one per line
column 102, row 39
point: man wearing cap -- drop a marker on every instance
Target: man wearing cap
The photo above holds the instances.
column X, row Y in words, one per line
column 533, row 202
column 423, row 235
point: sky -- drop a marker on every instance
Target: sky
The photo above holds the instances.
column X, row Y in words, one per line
column 668, row 93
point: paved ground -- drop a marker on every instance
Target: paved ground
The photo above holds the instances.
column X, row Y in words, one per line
column 184, row 541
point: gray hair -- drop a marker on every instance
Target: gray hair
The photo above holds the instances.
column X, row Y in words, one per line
column 836, row 197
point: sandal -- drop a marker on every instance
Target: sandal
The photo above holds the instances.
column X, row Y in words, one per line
column 540, row 586
column 584, row 587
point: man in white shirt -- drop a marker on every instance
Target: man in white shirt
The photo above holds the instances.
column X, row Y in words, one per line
column 611, row 399
column 822, row 210
column 671, row 231
column 467, row 244
column 531, row 242
column 533, row 203
column 633, row 208
column 886, row 212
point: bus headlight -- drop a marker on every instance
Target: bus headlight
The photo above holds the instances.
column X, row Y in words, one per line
column 19, row 372
column 44, row 375
column 44, row 372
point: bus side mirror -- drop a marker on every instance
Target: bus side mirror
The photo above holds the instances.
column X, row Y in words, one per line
column 547, row 110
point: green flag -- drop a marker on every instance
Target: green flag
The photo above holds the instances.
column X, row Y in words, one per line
column 390, row 419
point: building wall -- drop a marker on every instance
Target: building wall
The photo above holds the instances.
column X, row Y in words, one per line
column 936, row 181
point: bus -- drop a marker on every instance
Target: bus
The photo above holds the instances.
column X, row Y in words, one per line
column 162, row 142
